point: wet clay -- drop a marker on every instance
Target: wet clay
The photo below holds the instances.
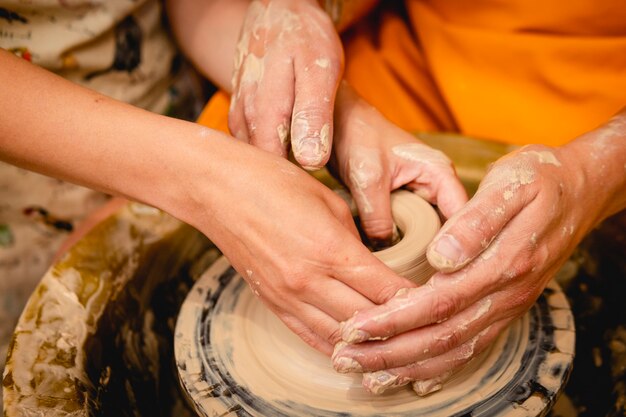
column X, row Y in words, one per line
column 234, row 355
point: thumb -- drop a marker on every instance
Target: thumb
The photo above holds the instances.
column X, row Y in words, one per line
column 472, row 230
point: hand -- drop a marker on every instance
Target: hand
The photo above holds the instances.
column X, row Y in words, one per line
column 295, row 242
column 373, row 157
column 495, row 256
column 288, row 63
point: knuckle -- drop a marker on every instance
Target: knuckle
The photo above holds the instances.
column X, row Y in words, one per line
column 377, row 228
column 385, row 293
column 340, row 208
column 447, row 341
column 443, row 307
column 378, row 362
column 522, row 300
column 334, row 336
column 297, row 281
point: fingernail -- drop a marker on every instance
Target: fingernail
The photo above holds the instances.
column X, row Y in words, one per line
column 345, row 365
column 380, row 381
column 351, row 335
column 425, row 387
column 428, row 386
column 308, row 153
column 446, row 254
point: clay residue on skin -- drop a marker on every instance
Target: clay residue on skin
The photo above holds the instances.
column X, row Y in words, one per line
column 325, row 136
column 483, row 308
column 355, row 335
column 344, row 364
column 248, row 68
column 380, row 381
column 283, row 133
column 466, row 350
column 611, row 132
column 417, row 152
column 303, row 136
column 428, row 386
column 322, row 62
column 567, row 231
column 364, row 171
column 492, row 249
column 544, row 157
column 513, row 178
column 253, row 69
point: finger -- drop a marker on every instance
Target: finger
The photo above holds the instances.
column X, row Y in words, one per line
column 424, row 387
column 366, row 274
column 445, row 191
column 442, row 366
column 318, row 336
column 236, row 117
column 270, row 113
column 333, row 297
column 430, row 173
column 472, row 229
column 312, row 120
column 410, row 308
column 505, row 271
column 415, row 345
column 369, row 183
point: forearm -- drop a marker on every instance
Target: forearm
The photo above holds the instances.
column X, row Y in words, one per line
column 60, row 129
column 602, row 153
column 207, row 32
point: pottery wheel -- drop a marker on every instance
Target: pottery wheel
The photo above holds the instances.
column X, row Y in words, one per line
column 234, row 357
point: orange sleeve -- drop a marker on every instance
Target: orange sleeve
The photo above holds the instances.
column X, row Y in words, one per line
column 215, row 113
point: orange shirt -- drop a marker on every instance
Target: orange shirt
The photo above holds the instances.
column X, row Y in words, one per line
column 518, row 71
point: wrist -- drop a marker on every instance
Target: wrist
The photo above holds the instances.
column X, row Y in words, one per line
column 601, row 154
column 189, row 171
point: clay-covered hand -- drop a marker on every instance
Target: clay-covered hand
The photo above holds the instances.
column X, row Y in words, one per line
column 295, row 242
column 288, row 64
column 495, row 257
column 372, row 156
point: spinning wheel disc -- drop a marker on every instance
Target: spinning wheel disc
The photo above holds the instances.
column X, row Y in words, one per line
column 234, row 357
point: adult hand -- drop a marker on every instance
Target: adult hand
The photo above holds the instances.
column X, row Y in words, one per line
column 495, row 256
column 288, row 64
column 295, row 242
column 373, row 157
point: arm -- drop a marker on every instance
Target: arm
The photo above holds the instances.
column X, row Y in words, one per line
column 281, row 60
column 495, row 256
column 247, row 201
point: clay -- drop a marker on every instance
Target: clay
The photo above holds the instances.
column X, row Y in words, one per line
column 233, row 355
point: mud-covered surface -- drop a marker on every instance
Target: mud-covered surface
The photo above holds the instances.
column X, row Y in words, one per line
column 596, row 288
